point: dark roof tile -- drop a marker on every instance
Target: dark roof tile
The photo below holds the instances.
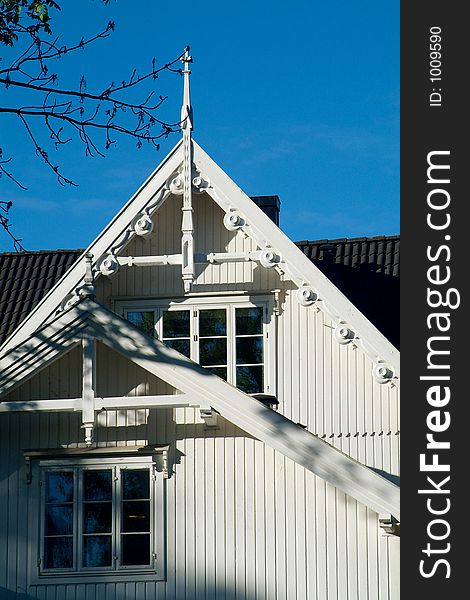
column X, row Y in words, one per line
column 362, row 268
column 25, row 278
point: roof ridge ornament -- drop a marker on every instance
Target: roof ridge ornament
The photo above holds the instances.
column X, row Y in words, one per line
column 87, row 290
column 187, row 227
column 186, row 109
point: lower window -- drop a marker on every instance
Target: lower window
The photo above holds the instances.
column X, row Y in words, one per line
column 97, row 516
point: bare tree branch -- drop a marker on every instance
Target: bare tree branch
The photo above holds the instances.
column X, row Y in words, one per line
column 4, row 222
column 61, row 114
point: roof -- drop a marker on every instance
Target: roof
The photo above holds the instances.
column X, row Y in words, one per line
column 25, row 278
column 379, row 254
column 362, row 268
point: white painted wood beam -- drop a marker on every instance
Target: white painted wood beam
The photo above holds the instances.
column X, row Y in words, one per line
column 88, row 388
column 42, row 405
column 252, row 416
column 187, row 225
column 150, row 261
column 134, row 402
column 110, row 403
column 177, row 259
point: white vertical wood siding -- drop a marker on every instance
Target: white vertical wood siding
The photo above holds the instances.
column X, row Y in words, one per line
column 242, row 520
column 320, row 383
column 63, row 379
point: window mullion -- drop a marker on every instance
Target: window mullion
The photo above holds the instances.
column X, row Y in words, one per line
column 118, row 520
column 152, row 481
column 158, row 323
column 42, row 491
column 78, row 520
column 231, row 345
column 266, row 352
column 194, row 332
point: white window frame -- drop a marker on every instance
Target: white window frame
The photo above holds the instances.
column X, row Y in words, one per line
column 196, row 303
column 77, row 463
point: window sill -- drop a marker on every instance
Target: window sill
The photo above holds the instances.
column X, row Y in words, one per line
column 108, row 577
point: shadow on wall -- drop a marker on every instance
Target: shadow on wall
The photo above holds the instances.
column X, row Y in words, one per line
column 9, row 595
column 121, row 594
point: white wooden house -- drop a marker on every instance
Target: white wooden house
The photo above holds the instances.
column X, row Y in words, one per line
column 195, row 411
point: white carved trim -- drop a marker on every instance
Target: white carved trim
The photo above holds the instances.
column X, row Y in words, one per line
column 143, row 225
column 295, row 265
column 343, row 334
column 382, row 373
column 306, row 296
column 247, row 413
column 233, row 220
column 88, row 388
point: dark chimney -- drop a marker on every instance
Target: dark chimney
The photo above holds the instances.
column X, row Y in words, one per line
column 270, row 205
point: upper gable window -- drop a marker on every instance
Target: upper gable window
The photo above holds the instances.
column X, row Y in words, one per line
column 144, row 320
column 229, row 339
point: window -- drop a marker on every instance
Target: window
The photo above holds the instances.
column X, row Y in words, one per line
column 100, row 516
column 144, row 320
column 230, row 340
column 249, row 349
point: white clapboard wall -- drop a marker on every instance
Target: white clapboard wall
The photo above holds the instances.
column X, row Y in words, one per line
column 242, row 520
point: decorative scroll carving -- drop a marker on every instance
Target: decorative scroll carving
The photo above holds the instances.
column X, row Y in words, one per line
column 200, row 182
column 343, row 335
column 306, row 296
column 269, row 258
column 177, row 185
column 109, row 265
column 233, row 220
column 382, row 373
column 143, row 225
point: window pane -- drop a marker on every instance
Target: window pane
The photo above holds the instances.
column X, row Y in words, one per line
column 97, row 484
column 135, row 549
column 248, row 321
column 250, row 379
column 249, row 350
column 144, row 320
column 212, row 322
column 96, row 551
column 59, row 519
column 135, row 484
column 135, row 515
column 176, row 324
column 97, row 517
column 213, row 352
column 58, row 553
column 219, row 371
column 59, row 486
column 181, row 346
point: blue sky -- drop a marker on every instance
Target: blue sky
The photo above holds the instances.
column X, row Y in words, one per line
column 298, row 99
